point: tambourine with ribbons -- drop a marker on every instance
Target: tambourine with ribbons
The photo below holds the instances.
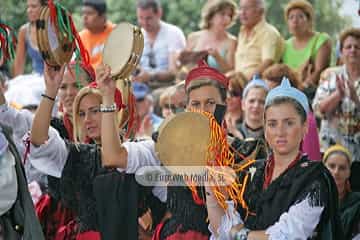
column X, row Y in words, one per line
column 196, row 139
column 122, row 52
column 57, row 36
column 7, row 42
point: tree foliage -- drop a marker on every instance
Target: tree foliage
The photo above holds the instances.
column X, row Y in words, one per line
column 186, row 14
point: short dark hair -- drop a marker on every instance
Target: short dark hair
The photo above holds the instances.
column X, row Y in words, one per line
column 100, row 6
column 43, row 2
column 146, row 4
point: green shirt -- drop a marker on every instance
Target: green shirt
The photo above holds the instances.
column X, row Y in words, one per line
column 295, row 58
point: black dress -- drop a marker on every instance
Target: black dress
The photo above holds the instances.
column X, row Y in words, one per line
column 106, row 200
column 306, row 179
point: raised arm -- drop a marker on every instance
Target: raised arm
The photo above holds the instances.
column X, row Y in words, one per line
column 113, row 153
column 128, row 156
column 42, row 118
column 20, row 55
column 326, row 102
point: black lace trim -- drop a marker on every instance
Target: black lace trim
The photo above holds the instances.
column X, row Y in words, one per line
column 76, row 183
column 185, row 214
column 301, row 181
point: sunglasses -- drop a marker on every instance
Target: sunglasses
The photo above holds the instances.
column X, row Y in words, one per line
column 152, row 60
column 170, row 106
column 140, row 99
column 233, row 93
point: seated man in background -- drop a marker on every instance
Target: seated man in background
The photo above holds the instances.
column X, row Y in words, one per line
column 259, row 43
column 162, row 42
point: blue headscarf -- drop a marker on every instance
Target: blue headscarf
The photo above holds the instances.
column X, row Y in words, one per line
column 255, row 82
column 286, row 90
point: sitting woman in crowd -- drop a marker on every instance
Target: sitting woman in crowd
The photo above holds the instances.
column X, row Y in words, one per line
column 213, row 39
column 337, row 100
column 287, row 196
column 307, row 52
column 273, row 76
column 338, row 160
column 82, row 180
column 27, row 42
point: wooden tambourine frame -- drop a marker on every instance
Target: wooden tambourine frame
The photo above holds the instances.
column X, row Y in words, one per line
column 55, row 48
column 123, row 50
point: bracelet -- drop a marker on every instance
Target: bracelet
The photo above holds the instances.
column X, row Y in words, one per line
column 242, row 234
column 48, row 97
column 106, row 109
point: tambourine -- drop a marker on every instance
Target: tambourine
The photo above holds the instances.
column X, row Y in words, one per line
column 123, row 50
column 55, row 47
column 183, row 140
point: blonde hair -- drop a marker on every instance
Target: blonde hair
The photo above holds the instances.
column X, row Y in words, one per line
column 304, row 6
column 212, row 7
column 78, row 137
column 166, row 96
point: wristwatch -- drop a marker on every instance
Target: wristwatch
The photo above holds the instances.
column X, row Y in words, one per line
column 111, row 108
column 242, row 234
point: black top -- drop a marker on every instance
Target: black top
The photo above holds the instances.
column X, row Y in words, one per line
column 304, row 179
column 105, row 199
column 186, row 215
column 350, row 214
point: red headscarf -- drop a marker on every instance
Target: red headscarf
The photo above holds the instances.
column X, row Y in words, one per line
column 204, row 71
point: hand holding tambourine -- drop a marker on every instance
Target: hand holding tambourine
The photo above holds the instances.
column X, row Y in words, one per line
column 122, row 53
column 103, row 78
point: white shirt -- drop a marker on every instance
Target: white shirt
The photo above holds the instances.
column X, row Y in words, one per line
column 170, row 39
column 50, row 157
column 19, row 121
column 298, row 223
